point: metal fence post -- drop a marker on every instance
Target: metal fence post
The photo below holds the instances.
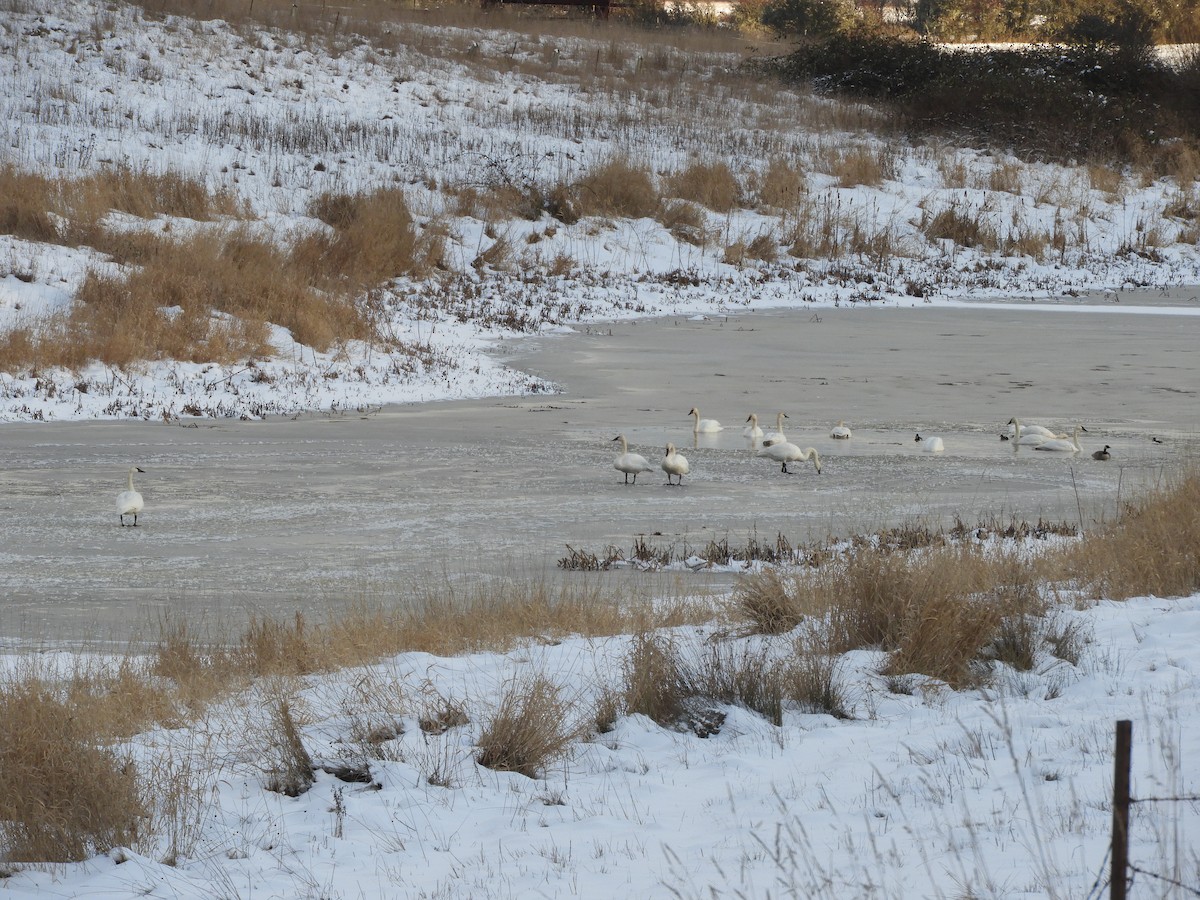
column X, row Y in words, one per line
column 1120, row 828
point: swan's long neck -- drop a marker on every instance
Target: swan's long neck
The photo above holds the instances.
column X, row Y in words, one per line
column 131, row 480
column 1075, row 438
column 624, row 444
column 1016, row 429
column 779, row 423
column 753, row 420
column 696, row 415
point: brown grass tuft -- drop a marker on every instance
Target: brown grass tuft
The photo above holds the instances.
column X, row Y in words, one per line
column 289, row 767
column 712, row 185
column 530, row 729
column 64, row 797
column 964, row 226
column 767, row 600
column 1154, row 548
column 781, row 186
column 617, row 188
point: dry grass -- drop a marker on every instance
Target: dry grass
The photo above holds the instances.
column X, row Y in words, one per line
column 781, row 186
column 766, row 599
column 289, row 768
column 685, row 220
column 1154, row 548
column 372, row 240
column 712, row 185
column 870, row 166
column 616, row 188
column 964, row 226
column 657, row 683
column 70, row 211
column 530, row 729
column 63, row 796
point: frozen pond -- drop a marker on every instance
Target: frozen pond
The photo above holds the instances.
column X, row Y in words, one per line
column 284, row 515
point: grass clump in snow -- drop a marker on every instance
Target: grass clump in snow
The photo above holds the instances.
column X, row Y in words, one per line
column 1153, row 548
column 64, row 796
column 530, row 729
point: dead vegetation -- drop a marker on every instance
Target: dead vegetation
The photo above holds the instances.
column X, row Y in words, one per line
column 938, row 607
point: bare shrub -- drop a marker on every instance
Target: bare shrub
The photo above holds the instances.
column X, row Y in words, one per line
column 63, row 796
column 767, row 600
column 712, row 185
column 529, row 730
column 782, row 185
column 617, row 188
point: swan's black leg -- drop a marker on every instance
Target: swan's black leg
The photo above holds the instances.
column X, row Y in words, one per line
column 121, row 519
column 135, row 520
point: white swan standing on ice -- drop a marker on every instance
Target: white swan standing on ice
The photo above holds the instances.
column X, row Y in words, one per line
column 1062, row 445
column 777, row 436
column 674, row 463
column 840, row 432
column 930, row 444
column 786, row 452
column 129, row 501
column 630, row 463
column 752, row 430
column 704, row 426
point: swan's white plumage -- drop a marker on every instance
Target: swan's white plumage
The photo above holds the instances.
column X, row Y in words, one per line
column 931, row 444
column 1062, row 445
column 1026, row 436
column 1017, row 428
column 785, row 452
column 752, row 430
column 630, row 463
column 704, row 426
column 777, row 436
column 840, row 432
column 129, row 501
column 674, row 463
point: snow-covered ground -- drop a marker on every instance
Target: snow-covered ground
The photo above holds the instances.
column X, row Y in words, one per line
column 276, row 119
column 1003, row 792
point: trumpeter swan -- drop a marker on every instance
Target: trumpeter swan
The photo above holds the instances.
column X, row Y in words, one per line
column 785, row 452
column 930, row 444
column 1103, row 455
column 840, row 432
column 777, row 436
column 1063, row 446
column 704, row 426
column 129, row 501
column 1030, row 429
column 674, row 463
column 752, row 430
column 1024, row 437
column 630, row 463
